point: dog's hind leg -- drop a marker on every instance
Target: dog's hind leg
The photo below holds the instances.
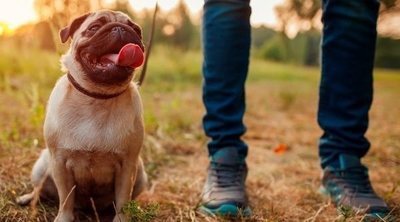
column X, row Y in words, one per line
column 38, row 177
column 25, row 199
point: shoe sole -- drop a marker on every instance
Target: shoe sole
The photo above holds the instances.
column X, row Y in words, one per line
column 226, row 210
column 368, row 216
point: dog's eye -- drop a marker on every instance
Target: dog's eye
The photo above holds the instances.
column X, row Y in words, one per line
column 94, row 28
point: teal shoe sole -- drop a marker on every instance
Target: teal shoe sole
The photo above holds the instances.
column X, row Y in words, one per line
column 368, row 216
column 322, row 190
column 226, row 210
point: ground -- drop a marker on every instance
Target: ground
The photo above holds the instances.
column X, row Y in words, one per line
column 281, row 111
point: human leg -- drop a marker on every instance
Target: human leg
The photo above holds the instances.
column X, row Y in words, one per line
column 348, row 49
column 226, row 45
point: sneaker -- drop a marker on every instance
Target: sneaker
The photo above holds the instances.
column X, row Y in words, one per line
column 224, row 192
column 349, row 187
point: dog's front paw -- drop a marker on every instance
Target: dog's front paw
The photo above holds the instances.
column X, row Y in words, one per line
column 63, row 217
column 120, row 218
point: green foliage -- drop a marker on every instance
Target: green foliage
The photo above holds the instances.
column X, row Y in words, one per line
column 307, row 46
column 312, row 50
column 387, row 53
column 275, row 49
column 260, row 35
column 303, row 49
column 37, row 110
column 173, row 66
column 16, row 59
column 137, row 213
column 345, row 212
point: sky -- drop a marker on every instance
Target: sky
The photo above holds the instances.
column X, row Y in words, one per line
column 14, row 13
column 262, row 10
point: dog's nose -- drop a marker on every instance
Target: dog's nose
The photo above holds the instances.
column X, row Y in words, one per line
column 118, row 29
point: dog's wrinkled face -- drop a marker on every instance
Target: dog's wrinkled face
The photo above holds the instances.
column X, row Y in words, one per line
column 98, row 34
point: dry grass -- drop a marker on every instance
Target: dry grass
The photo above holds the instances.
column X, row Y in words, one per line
column 281, row 110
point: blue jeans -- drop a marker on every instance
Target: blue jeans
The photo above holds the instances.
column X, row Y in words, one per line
column 348, row 47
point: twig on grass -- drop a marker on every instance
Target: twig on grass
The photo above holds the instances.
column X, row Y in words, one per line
column 94, row 210
column 116, row 212
column 314, row 218
column 69, row 194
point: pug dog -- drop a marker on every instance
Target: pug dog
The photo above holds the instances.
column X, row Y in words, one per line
column 94, row 125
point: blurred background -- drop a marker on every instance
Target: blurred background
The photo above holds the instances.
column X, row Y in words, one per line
column 283, row 30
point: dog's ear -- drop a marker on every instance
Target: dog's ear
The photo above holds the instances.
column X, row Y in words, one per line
column 68, row 31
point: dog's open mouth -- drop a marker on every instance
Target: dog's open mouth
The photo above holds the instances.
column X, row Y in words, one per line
column 130, row 56
column 109, row 56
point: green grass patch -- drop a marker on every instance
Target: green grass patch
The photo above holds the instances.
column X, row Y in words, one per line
column 137, row 213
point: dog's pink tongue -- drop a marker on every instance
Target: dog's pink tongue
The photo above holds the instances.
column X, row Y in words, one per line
column 130, row 55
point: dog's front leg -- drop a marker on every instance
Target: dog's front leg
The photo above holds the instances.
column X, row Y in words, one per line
column 64, row 182
column 124, row 181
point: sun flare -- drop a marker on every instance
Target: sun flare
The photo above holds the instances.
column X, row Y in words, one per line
column 5, row 29
column 16, row 13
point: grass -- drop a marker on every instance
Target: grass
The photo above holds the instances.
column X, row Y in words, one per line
column 281, row 109
column 136, row 213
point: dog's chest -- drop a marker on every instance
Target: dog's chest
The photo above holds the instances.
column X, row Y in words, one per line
column 91, row 127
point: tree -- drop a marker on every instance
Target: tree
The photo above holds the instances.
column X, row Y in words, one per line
column 304, row 14
column 261, row 34
column 184, row 30
column 60, row 12
column 299, row 14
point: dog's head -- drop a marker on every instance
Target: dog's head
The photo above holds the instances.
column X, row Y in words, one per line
column 95, row 37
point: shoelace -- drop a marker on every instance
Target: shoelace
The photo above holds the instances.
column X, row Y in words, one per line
column 228, row 175
column 355, row 179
